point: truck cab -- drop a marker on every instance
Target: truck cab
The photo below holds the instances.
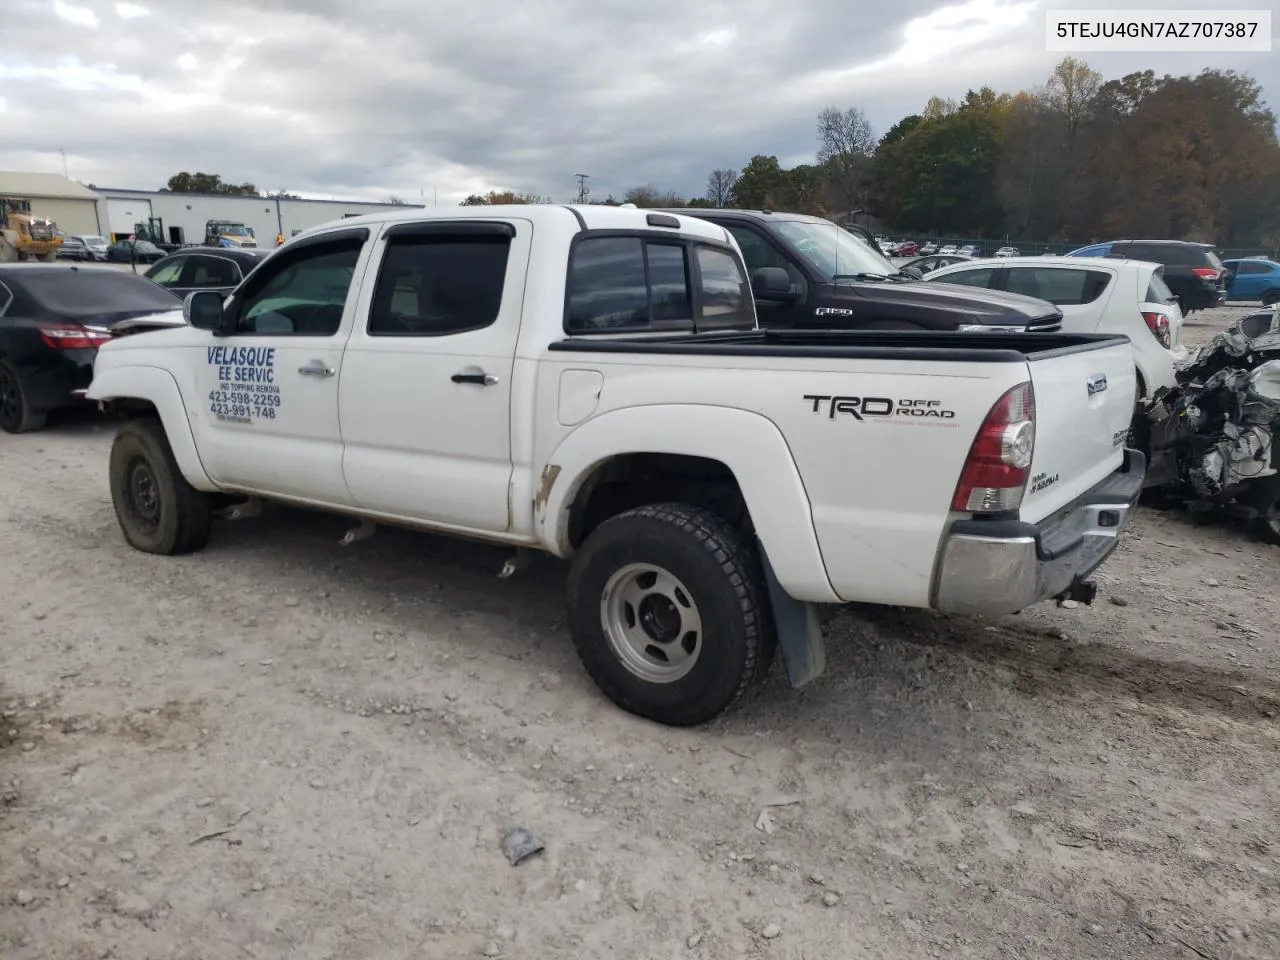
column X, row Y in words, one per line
column 228, row 233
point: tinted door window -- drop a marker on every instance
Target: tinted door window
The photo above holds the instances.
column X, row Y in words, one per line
column 607, row 287
column 1253, row 268
column 725, row 293
column 1157, row 253
column 303, row 294
column 1058, row 286
column 166, row 274
column 435, row 286
column 210, row 272
column 978, row 277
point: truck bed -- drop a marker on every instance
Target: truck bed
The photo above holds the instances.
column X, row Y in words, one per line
column 950, row 346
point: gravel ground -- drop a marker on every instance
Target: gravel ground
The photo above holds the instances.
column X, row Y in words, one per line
column 285, row 748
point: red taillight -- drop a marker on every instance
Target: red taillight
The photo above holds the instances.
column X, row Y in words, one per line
column 1206, row 273
column 995, row 475
column 1161, row 328
column 70, row 336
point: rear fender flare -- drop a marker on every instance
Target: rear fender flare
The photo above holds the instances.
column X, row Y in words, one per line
column 750, row 445
column 157, row 386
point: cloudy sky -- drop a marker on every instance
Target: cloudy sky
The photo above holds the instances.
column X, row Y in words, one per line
column 423, row 98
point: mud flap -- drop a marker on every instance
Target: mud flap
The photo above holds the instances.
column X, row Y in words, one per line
column 799, row 633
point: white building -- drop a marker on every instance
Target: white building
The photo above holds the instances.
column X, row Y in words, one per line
column 183, row 215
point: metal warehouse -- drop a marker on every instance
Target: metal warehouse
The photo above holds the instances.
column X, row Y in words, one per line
column 182, row 216
column 72, row 206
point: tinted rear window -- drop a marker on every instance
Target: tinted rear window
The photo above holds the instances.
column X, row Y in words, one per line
column 88, row 293
column 1158, row 291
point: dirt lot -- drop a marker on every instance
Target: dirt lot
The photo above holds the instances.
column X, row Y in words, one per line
column 285, row 748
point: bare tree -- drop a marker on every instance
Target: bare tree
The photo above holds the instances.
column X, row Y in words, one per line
column 845, row 145
column 720, row 187
column 394, row 200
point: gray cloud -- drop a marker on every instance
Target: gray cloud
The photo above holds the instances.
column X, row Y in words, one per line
column 330, row 97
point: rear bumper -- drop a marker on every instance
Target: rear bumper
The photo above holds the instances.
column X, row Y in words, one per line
column 1002, row 566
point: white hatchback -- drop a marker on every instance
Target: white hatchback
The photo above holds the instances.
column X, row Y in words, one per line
column 1102, row 296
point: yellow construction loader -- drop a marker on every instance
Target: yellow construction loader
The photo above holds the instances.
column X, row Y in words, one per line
column 24, row 235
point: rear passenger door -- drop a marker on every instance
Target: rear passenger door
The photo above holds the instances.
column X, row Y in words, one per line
column 1080, row 293
column 426, row 388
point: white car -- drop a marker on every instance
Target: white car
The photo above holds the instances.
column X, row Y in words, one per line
column 968, row 250
column 1105, row 296
column 506, row 373
column 950, row 248
column 97, row 245
column 1008, row 252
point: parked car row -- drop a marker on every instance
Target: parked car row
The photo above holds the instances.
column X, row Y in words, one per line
column 82, row 247
column 1192, row 270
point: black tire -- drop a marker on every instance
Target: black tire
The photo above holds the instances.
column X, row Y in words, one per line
column 16, row 415
column 159, row 512
column 715, row 568
column 1271, row 297
column 1264, row 496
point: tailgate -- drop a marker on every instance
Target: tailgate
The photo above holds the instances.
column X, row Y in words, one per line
column 1084, row 404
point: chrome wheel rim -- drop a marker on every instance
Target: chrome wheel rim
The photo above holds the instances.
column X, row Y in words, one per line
column 651, row 622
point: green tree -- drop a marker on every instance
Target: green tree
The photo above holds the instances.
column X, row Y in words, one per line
column 761, row 184
column 209, row 183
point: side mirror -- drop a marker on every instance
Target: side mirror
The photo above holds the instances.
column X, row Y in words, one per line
column 202, row 309
column 913, row 272
column 772, row 283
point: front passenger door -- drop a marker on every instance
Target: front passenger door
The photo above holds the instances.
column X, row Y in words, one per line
column 266, row 395
column 758, row 252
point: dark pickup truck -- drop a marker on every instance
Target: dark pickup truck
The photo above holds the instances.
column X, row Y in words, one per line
column 807, row 272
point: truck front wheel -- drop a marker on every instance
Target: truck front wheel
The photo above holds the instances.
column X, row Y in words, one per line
column 669, row 612
column 159, row 512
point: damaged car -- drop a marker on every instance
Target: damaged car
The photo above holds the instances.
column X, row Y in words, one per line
column 1213, row 435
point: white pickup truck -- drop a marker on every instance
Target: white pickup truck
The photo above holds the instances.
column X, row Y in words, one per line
column 590, row 382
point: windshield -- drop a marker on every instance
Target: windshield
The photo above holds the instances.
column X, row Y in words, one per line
column 233, row 230
column 832, row 251
column 81, row 294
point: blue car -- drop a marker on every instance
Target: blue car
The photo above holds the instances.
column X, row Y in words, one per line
column 1254, row 279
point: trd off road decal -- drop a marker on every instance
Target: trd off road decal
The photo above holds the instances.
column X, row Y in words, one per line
column 246, row 389
column 882, row 410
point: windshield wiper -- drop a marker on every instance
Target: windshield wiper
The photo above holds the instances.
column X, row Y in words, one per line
column 898, row 275
column 860, row 276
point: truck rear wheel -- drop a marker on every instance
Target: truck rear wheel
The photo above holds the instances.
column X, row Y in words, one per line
column 669, row 613
column 159, row 512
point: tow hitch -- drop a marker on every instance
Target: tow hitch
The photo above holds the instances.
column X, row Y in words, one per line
column 1082, row 591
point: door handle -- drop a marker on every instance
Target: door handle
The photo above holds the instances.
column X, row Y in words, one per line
column 483, row 379
column 316, row 369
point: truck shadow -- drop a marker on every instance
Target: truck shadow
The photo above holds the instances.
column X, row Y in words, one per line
column 864, row 642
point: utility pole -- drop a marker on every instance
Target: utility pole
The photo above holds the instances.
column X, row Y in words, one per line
column 64, row 163
column 279, row 219
column 583, row 190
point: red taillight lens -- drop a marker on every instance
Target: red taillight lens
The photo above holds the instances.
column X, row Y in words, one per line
column 1206, row 273
column 995, row 474
column 1161, row 328
column 70, row 336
